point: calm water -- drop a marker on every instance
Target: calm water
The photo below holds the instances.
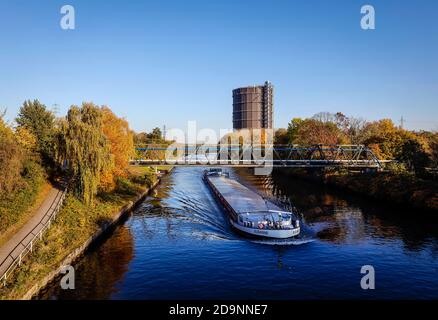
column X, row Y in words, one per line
column 179, row 245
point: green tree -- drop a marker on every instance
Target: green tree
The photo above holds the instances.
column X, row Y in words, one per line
column 35, row 117
column 82, row 145
column 155, row 135
column 414, row 154
column 292, row 129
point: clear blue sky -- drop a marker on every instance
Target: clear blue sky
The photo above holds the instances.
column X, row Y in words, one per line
column 167, row 62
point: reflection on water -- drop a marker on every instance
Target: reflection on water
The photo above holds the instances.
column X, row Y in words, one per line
column 97, row 274
column 178, row 244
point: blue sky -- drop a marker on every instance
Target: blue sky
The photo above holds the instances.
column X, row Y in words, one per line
column 167, row 62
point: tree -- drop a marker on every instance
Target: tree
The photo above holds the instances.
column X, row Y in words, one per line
column 387, row 137
column 292, row 129
column 26, row 139
column 155, row 135
column 414, row 154
column 11, row 159
column 140, row 138
column 311, row 131
column 355, row 130
column 434, row 149
column 281, row 136
column 121, row 142
column 35, row 117
column 81, row 143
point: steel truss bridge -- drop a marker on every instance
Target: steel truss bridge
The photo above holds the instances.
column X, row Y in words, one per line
column 234, row 155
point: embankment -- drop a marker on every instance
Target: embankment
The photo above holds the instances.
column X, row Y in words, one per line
column 76, row 228
column 399, row 189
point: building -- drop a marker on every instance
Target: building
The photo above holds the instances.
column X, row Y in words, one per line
column 253, row 107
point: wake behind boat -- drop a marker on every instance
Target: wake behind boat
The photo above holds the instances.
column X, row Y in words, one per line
column 249, row 212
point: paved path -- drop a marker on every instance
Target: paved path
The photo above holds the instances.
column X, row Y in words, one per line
column 11, row 249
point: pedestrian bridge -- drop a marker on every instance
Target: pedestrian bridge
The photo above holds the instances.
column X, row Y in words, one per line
column 234, row 155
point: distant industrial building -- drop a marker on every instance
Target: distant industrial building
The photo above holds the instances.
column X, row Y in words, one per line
column 253, row 107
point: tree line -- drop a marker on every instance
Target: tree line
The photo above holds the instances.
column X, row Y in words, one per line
column 414, row 150
column 90, row 146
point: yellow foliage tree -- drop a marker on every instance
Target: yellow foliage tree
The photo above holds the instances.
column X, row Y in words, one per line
column 11, row 159
column 26, row 139
column 121, row 140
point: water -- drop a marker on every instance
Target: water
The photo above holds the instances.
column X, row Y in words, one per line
column 179, row 245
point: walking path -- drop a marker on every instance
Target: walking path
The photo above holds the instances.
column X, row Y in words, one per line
column 12, row 248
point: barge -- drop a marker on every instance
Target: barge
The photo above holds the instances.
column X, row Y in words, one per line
column 249, row 212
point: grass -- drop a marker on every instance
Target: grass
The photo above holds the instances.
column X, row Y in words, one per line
column 17, row 207
column 75, row 224
column 141, row 170
column 27, row 214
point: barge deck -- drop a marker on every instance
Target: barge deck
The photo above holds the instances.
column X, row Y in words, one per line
column 249, row 212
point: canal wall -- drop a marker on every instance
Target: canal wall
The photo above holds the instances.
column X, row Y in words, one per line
column 78, row 252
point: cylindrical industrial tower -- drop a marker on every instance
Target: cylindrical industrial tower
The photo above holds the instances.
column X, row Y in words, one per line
column 253, row 107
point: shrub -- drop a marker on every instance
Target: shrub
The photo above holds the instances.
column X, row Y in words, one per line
column 125, row 186
column 397, row 168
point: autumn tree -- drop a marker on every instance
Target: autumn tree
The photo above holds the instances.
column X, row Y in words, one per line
column 121, row 142
column 140, row 138
column 26, row 139
column 11, row 159
column 281, row 136
column 434, row 149
column 34, row 117
column 82, row 145
column 385, row 138
column 312, row 131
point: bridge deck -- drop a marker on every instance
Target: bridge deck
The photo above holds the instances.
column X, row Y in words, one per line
column 267, row 163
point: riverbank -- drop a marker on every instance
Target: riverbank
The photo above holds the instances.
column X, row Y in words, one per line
column 75, row 229
column 17, row 207
column 399, row 189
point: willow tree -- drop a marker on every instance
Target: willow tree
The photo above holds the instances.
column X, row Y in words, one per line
column 82, row 146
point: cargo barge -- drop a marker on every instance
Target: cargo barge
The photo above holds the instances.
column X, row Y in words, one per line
column 249, row 212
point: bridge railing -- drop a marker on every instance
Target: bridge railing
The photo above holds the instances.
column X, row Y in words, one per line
column 22, row 249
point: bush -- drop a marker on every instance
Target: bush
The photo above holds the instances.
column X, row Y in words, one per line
column 125, row 186
column 397, row 168
column 147, row 179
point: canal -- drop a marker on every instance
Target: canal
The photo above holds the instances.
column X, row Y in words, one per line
column 178, row 245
